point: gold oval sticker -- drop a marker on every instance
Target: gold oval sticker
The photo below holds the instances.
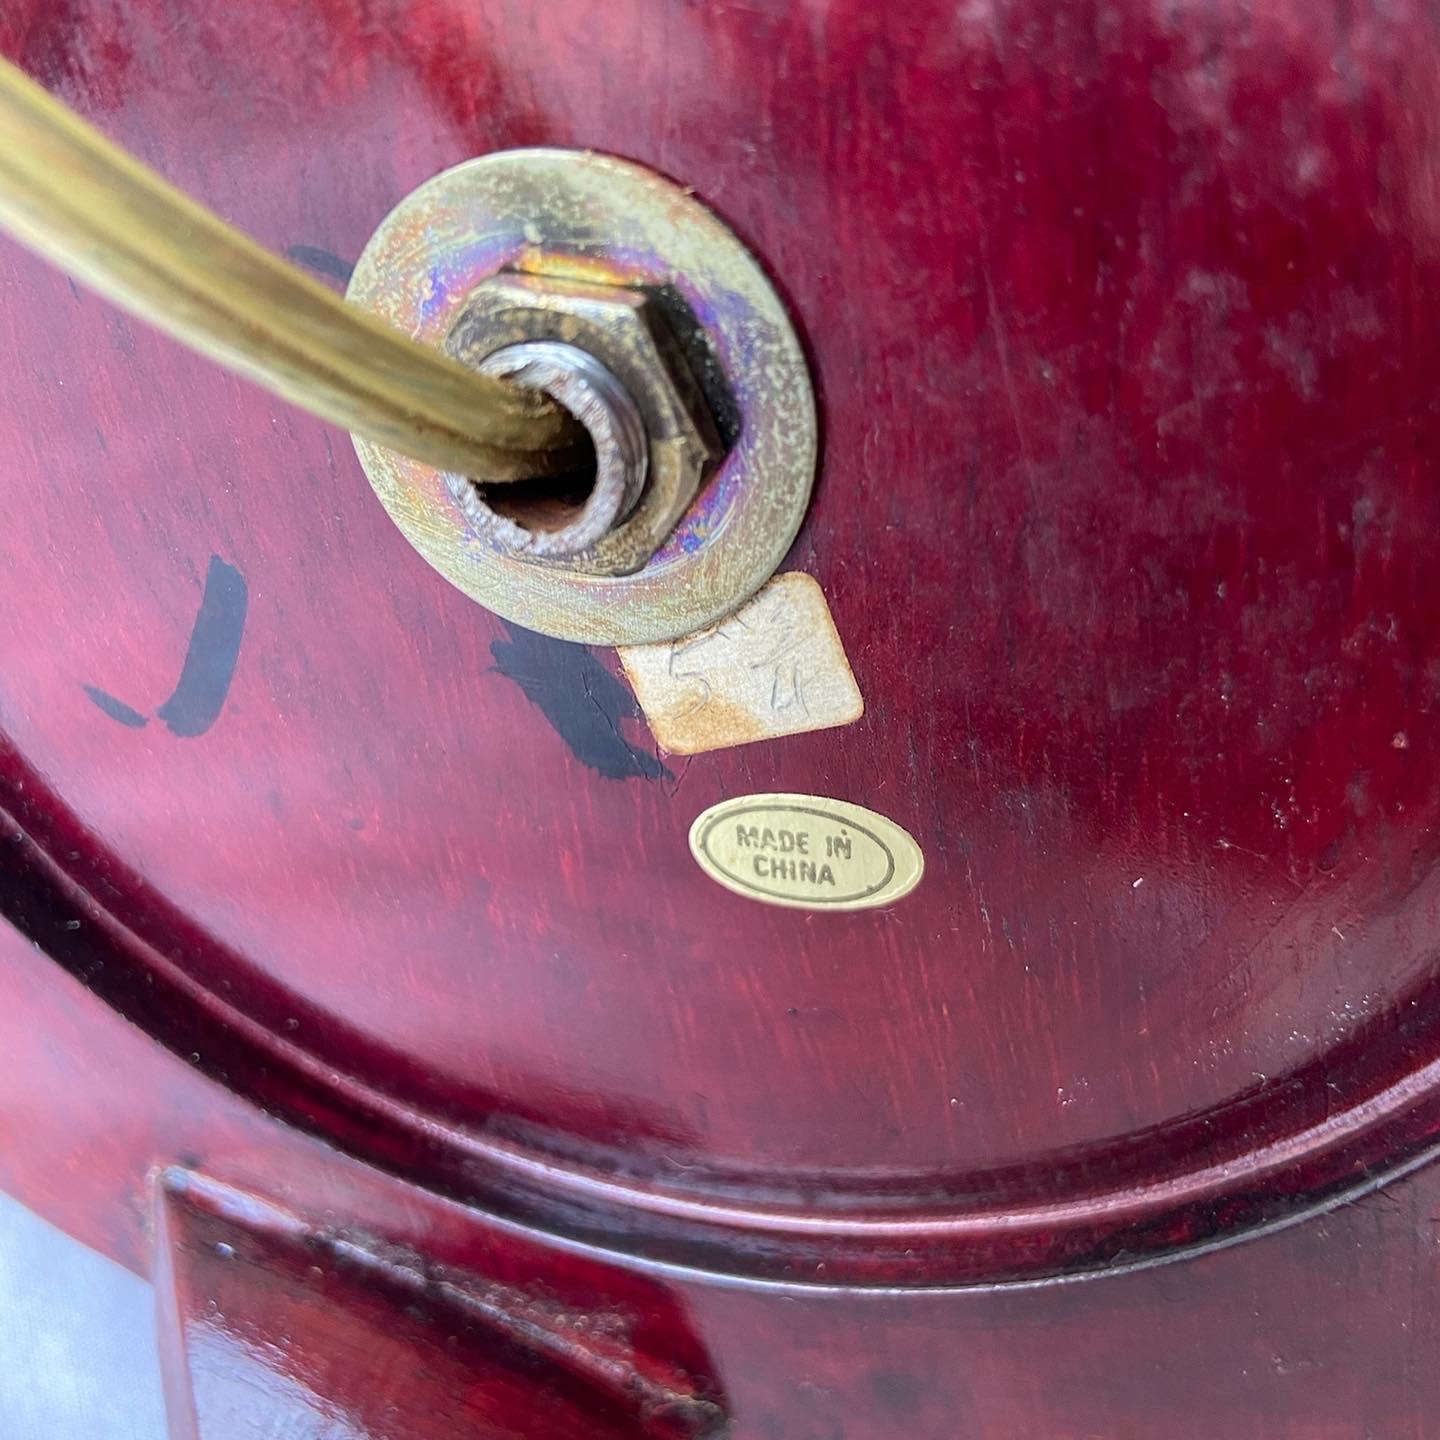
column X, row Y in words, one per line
column 807, row 851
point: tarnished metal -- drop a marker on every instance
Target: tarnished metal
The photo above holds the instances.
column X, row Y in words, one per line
column 87, row 206
column 563, row 517
column 626, row 331
column 575, row 248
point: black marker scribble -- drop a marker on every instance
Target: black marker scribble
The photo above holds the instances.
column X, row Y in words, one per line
column 214, row 648
column 323, row 262
column 580, row 698
column 116, row 709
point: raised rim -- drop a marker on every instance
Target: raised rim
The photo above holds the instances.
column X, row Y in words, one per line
column 1142, row 1198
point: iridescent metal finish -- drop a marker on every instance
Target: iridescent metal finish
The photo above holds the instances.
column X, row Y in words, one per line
column 585, row 220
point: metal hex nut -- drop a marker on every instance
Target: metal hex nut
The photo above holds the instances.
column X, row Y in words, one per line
column 627, row 331
column 585, row 217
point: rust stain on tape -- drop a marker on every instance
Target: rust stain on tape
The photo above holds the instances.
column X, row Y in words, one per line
column 775, row 667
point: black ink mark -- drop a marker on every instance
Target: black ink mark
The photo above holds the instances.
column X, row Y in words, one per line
column 116, row 709
column 323, row 262
column 579, row 697
column 214, row 648
column 705, row 366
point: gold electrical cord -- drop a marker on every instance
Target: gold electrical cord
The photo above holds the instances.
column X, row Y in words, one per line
column 77, row 200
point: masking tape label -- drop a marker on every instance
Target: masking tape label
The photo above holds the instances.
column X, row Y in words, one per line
column 775, row 667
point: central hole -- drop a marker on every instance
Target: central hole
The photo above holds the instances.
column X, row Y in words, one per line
column 549, row 503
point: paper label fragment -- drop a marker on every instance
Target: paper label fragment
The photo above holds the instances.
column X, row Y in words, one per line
column 775, row 667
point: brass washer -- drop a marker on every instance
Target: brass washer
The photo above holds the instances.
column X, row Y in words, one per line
column 586, row 216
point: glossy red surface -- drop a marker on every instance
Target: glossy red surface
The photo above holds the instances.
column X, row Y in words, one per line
column 258, row 1300
column 1122, row 320
column 1319, row 1332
